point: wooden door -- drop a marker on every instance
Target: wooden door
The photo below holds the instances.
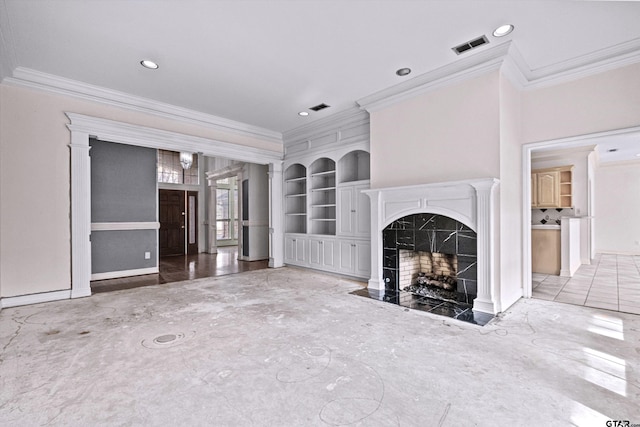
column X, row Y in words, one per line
column 172, row 222
column 192, row 222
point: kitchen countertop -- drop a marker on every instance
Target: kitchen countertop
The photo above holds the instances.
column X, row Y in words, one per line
column 545, row 227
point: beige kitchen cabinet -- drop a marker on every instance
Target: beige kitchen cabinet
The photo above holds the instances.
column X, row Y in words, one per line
column 545, row 251
column 552, row 188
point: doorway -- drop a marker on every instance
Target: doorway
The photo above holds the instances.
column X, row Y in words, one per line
column 178, row 216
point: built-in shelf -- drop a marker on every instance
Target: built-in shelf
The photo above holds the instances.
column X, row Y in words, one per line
column 323, row 196
column 295, row 199
column 354, row 166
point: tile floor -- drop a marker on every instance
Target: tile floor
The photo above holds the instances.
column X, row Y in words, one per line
column 612, row 282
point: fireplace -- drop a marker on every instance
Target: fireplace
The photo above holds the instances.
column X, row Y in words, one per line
column 454, row 218
column 428, row 274
column 431, row 255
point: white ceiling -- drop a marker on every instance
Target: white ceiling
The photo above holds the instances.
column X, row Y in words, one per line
column 261, row 62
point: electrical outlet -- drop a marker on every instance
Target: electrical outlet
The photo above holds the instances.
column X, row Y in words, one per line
column 147, row 255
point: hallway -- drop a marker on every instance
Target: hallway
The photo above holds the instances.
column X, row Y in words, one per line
column 612, row 282
column 184, row 267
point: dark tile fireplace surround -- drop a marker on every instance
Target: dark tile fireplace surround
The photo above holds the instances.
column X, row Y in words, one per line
column 432, row 233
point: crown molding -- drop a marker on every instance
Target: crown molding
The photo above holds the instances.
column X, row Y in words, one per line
column 326, row 125
column 507, row 58
column 602, row 60
column 125, row 133
column 464, row 69
column 25, row 77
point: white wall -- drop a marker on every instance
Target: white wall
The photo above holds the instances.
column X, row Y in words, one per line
column 617, row 200
column 601, row 102
column 35, row 187
column 510, row 196
column 448, row 134
column 598, row 103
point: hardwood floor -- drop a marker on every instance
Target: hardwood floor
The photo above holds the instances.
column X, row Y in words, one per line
column 185, row 267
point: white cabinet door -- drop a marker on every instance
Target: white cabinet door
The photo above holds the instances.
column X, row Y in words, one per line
column 355, row 258
column 329, row 254
column 322, row 254
column 354, row 218
column 295, row 250
column 362, row 225
column 363, row 259
column 347, row 210
column 346, row 262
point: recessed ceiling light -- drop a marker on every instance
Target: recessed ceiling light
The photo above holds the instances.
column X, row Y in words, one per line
column 146, row 63
column 403, row 71
column 503, row 30
column 303, row 113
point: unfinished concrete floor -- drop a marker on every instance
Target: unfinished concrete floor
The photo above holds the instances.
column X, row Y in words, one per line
column 292, row 347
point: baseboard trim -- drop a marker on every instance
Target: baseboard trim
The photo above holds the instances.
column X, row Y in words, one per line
column 124, row 273
column 17, row 301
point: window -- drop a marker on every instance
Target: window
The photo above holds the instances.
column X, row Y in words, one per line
column 170, row 170
column 226, row 209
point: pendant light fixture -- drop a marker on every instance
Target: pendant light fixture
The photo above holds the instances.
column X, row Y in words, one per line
column 186, row 160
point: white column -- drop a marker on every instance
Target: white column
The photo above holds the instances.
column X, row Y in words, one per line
column 276, row 216
column 486, row 295
column 213, row 239
column 376, row 281
column 80, row 215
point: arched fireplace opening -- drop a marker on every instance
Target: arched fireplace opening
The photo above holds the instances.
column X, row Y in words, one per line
column 430, row 256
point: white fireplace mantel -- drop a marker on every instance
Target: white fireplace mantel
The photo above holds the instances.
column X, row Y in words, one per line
column 470, row 202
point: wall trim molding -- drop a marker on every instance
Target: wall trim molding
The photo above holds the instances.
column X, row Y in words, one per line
column 142, row 136
column 507, row 58
column 20, row 300
column 113, row 226
column 124, row 273
column 464, row 69
column 32, row 79
column 351, row 116
column 617, row 56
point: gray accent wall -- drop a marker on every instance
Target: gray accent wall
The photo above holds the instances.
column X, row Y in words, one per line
column 120, row 250
column 123, row 189
column 123, row 182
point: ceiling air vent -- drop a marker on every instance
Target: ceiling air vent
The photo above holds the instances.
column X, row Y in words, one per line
column 319, row 107
column 470, row 45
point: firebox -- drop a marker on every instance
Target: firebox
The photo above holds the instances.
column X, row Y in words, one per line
column 432, row 256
